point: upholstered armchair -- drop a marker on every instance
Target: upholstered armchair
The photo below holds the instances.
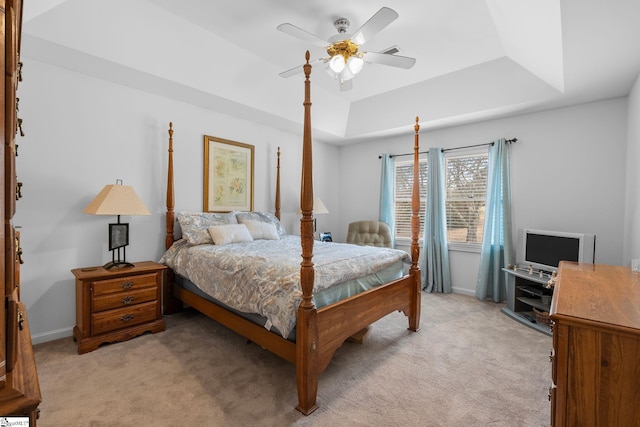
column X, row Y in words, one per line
column 370, row 233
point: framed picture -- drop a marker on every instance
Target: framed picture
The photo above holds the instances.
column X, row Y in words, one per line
column 326, row 237
column 118, row 235
column 228, row 175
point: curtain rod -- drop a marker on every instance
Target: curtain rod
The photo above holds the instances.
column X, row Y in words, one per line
column 509, row 141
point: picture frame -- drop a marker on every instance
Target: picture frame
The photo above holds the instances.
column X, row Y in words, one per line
column 228, row 175
column 118, row 235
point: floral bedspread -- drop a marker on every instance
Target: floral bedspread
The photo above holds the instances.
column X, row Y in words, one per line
column 263, row 276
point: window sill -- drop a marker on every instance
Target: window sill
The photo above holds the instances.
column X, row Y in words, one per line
column 453, row 246
column 465, row 247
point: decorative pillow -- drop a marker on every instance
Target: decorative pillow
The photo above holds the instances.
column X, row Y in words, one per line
column 229, row 233
column 261, row 230
column 194, row 225
column 262, row 217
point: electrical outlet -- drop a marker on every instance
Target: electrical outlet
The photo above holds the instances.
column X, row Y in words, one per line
column 635, row 265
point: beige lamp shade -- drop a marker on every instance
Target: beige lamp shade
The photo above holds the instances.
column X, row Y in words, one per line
column 117, row 199
column 318, row 207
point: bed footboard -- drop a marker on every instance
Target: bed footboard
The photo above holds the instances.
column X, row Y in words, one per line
column 338, row 322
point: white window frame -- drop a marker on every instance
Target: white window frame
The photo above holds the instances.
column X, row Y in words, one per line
column 453, row 246
column 477, row 151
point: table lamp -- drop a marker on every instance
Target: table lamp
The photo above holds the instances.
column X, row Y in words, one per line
column 117, row 200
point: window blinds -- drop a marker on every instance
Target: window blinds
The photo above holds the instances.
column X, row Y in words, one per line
column 466, row 195
column 466, row 185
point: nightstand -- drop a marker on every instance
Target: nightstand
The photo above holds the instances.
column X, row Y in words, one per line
column 118, row 304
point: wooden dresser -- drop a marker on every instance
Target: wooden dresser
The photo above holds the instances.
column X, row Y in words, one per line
column 118, row 304
column 596, row 346
column 19, row 387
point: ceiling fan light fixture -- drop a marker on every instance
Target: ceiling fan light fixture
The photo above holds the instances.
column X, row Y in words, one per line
column 354, row 64
column 337, row 63
column 346, row 74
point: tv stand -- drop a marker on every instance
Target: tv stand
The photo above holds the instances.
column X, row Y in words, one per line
column 526, row 292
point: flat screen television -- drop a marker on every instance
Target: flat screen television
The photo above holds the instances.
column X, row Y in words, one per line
column 544, row 249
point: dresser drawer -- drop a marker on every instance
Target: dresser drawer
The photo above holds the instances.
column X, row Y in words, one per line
column 101, row 287
column 124, row 299
column 123, row 317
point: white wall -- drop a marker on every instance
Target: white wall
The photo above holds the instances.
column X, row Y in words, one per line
column 632, row 208
column 83, row 133
column 567, row 173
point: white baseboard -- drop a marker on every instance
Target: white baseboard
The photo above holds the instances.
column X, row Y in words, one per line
column 463, row 291
column 51, row 335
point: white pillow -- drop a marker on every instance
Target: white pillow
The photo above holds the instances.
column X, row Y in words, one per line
column 261, row 230
column 229, row 233
column 261, row 216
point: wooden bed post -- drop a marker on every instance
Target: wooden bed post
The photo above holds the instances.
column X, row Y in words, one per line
column 307, row 323
column 170, row 218
column 277, row 212
column 414, row 315
column 170, row 304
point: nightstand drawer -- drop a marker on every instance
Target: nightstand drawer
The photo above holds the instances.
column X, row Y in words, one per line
column 123, row 317
column 124, row 299
column 101, row 287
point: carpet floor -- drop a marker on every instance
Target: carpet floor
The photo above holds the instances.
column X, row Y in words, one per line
column 469, row 365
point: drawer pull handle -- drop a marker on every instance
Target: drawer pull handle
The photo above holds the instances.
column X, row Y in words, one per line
column 126, row 317
column 127, row 300
column 19, row 254
column 127, row 285
column 20, row 320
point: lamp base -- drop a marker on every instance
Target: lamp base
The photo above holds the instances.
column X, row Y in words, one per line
column 117, row 264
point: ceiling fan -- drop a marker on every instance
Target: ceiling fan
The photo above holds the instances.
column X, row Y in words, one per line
column 346, row 59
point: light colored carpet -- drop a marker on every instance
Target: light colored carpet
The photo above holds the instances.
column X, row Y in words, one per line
column 469, row 365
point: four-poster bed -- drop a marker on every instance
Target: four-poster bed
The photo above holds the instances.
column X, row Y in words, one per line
column 318, row 331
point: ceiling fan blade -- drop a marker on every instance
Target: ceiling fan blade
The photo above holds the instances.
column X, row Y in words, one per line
column 345, row 85
column 299, row 69
column 301, row 34
column 377, row 22
column 387, row 59
column 292, row 72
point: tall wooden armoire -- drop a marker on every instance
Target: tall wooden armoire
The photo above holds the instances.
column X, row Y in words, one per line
column 19, row 387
